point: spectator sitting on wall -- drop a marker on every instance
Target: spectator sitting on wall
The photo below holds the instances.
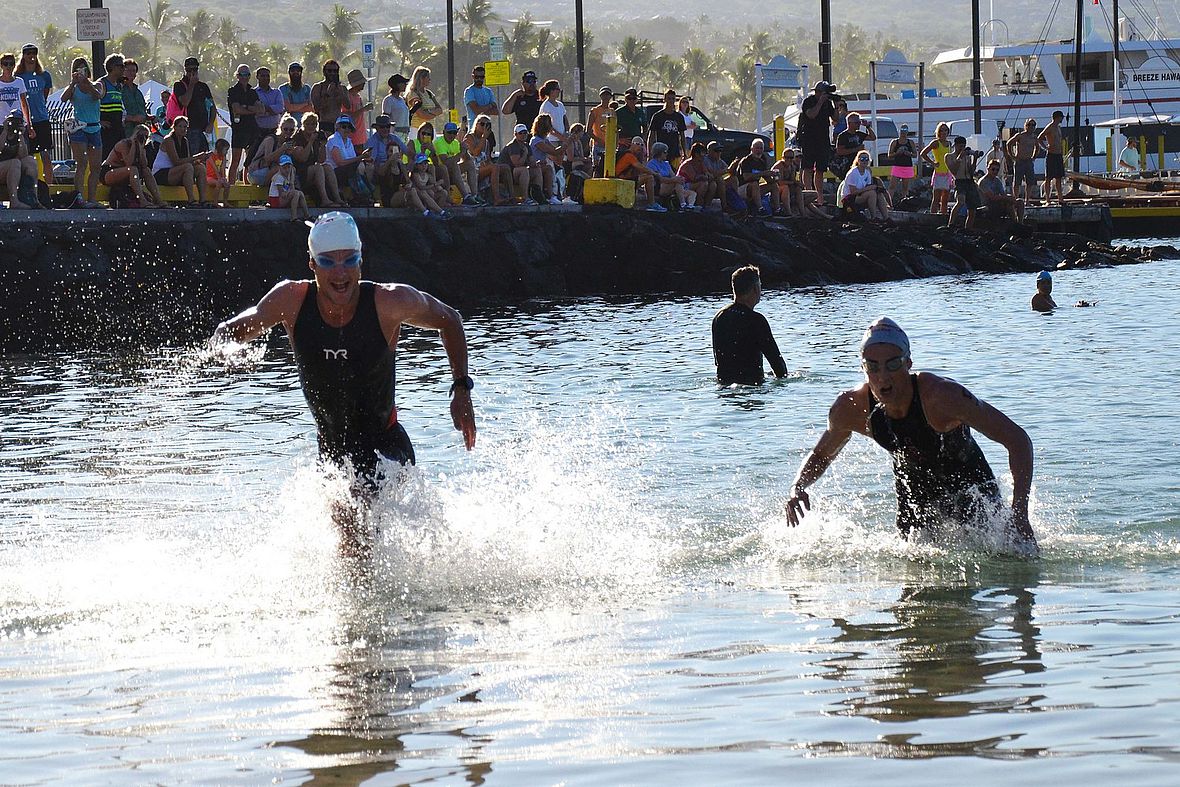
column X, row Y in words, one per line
column 755, row 177
column 790, row 189
column 448, row 150
column 265, row 162
column 311, row 163
column 284, row 190
column 176, row 166
column 668, row 184
column 386, row 150
column 128, row 164
column 296, row 93
column 525, row 165
column 342, row 156
column 429, row 191
column 577, row 159
column 423, row 143
column 860, row 190
column 216, row 183
column 549, row 154
column 477, row 148
column 18, row 170
column 719, row 171
column 697, row 177
column 38, row 84
column 996, row 196
column 631, row 164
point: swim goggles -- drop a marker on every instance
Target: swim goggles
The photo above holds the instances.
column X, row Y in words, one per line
column 326, row 262
column 891, row 365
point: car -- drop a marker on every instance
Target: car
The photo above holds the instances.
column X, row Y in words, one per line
column 734, row 143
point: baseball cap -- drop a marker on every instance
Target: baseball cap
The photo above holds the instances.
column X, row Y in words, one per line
column 604, row 90
column 296, row 66
column 28, row 46
column 422, row 158
column 713, row 146
column 382, row 120
column 631, row 92
column 637, row 140
column 243, row 69
column 904, row 127
column 519, row 128
column 450, row 127
column 885, row 331
column 333, row 231
column 529, row 75
column 344, row 120
column 285, row 159
column 823, row 86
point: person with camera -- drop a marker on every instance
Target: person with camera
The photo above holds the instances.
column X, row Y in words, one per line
column 18, row 169
column 196, row 103
column 175, row 165
column 387, row 149
column 850, row 142
column 329, row 97
column 756, row 176
column 128, row 164
column 961, row 162
column 860, row 190
column 86, row 134
column 815, row 134
column 265, row 161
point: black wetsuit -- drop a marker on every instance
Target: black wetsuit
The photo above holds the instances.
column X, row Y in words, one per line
column 936, row 474
column 741, row 336
column 348, row 378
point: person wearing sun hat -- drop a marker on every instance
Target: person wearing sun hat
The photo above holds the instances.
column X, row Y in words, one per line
column 341, row 153
column 925, row 422
column 357, row 106
column 344, row 334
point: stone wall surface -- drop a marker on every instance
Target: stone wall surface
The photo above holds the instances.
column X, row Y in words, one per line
column 170, row 279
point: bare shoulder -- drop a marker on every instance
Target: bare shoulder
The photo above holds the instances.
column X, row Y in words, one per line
column 947, row 402
column 398, row 300
column 850, row 411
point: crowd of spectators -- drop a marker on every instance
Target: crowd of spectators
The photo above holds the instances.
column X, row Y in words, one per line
column 309, row 142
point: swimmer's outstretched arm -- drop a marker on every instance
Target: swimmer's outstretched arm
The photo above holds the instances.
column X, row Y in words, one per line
column 280, row 305
column 842, row 420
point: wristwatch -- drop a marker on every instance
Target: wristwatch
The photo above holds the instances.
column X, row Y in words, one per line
column 464, row 382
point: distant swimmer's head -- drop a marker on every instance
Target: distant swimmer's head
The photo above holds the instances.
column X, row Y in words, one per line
column 885, row 331
column 334, row 235
column 1044, row 282
column 747, row 285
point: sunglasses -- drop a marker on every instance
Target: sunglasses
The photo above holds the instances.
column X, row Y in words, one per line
column 891, row 365
column 426, row 136
column 30, row 51
column 484, row 123
column 326, row 262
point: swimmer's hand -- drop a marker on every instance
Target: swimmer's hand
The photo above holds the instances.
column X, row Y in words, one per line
column 1086, row 303
column 796, row 506
column 1024, row 542
column 463, row 416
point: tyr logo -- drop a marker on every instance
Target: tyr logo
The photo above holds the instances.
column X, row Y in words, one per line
column 335, row 355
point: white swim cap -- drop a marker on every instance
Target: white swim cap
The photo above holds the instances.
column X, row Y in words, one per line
column 885, row 331
column 333, row 231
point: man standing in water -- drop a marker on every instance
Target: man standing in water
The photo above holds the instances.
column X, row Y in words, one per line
column 741, row 336
column 924, row 421
column 344, row 334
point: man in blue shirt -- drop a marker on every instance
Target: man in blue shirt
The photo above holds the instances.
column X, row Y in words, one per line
column 479, row 99
column 38, row 84
column 387, row 150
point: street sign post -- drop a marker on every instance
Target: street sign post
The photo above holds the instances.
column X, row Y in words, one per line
column 496, row 48
column 94, row 24
column 368, row 50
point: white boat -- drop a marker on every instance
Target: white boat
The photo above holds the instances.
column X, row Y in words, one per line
column 1032, row 80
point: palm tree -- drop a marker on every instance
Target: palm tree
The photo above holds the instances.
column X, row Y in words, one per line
column 410, row 46
column 741, row 78
column 195, row 35
column 635, row 55
column 670, row 72
column 314, row 53
column 339, row 31
column 277, row 56
column 160, row 21
column 760, row 46
column 542, row 48
column 56, row 54
column 698, row 69
column 522, row 40
column 477, row 15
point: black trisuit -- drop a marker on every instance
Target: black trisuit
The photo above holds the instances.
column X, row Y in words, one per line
column 348, row 378
column 935, row 474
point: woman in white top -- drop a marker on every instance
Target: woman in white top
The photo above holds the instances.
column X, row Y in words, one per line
column 175, row 167
column 859, row 190
column 684, row 107
column 552, row 106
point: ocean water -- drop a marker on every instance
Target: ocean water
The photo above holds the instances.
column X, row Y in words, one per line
column 605, row 591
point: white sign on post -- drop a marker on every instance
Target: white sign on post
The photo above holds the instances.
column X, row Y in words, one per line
column 368, row 50
column 496, row 48
column 94, row 24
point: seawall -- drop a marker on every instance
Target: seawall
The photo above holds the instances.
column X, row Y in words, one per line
column 145, row 277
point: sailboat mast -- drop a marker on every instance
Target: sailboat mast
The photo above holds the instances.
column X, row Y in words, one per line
column 1077, row 91
column 976, row 83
